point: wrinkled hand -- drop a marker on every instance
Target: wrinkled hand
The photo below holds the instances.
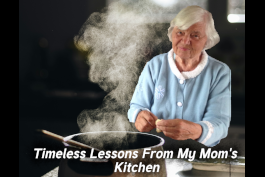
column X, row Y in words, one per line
column 145, row 121
column 180, row 129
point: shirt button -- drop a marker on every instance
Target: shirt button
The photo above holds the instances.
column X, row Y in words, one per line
column 181, row 81
column 179, row 104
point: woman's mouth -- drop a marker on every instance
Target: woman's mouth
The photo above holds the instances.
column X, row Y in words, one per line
column 182, row 48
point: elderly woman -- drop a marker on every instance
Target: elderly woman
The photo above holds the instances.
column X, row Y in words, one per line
column 186, row 88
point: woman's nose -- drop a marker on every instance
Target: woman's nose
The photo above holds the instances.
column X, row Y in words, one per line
column 186, row 39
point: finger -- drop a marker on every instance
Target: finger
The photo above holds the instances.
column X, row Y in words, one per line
column 141, row 118
column 145, row 125
column 150, row 121
column 138, row 123
column 168, row 123
column 150, row 118
column 154, row 116
column 175, row 136
column 174, row 130
column 166, row 129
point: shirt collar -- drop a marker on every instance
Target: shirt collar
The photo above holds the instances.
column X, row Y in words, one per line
column 188, row 74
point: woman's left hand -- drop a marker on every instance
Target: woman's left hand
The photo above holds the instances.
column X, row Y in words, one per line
column 180, row 129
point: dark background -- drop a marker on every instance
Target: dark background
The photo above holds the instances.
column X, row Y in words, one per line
column 53, row 75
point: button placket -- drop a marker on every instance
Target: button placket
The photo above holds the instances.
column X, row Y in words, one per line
column 179, row 104
column 181, row 81
column 180, row 99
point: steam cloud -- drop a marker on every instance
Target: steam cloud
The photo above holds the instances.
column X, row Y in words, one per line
column 120, row 40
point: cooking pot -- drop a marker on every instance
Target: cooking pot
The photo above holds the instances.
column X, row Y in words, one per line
column 125, row 141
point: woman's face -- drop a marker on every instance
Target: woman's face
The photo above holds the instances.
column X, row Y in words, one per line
column 188, row 44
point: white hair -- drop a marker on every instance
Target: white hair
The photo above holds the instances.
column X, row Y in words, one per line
column 191, row 15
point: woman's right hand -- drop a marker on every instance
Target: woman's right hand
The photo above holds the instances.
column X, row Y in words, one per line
column 145, row 121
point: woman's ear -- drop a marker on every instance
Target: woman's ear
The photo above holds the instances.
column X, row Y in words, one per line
column 205, row 45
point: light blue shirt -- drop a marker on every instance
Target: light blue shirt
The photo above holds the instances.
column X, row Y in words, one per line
column 202, row 96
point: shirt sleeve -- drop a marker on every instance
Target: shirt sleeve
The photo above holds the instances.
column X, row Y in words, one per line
column 143, row 95
column 216, row 120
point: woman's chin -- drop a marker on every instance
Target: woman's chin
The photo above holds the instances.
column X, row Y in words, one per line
column 184, row 56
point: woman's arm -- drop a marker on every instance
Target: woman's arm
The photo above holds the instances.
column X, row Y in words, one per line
column 216, row 120
column 143, row 94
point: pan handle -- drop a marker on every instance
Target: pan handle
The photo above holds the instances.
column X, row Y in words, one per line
column 67, row 140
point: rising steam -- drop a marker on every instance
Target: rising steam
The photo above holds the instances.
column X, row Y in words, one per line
column 120, row 40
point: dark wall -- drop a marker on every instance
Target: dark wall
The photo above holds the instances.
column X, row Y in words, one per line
column 53, row 77
column 231, row 50
column 52, row 72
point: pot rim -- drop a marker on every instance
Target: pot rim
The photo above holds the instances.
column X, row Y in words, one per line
column 162, row 141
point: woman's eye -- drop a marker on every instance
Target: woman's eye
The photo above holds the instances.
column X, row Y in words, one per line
column 195, row 36
column 179, row 33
